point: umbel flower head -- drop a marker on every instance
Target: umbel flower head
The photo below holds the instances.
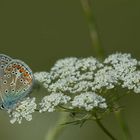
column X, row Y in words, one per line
column 83, row 86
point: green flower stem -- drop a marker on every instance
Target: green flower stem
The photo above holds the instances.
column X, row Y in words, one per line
column 87, row 8
column 123, row 125
column 54, row 133
column 105, row 130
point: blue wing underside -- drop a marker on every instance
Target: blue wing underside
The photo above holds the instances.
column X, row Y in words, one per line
column 15, row 85
column 4, row 60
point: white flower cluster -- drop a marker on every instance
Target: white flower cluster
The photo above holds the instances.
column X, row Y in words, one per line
column 23, row 110
column 49, row 102
column 115, row 71
column 126, row 70
column 105, row 77
column 88, row 101
column 41, row 76
column 70, row 75
column 80, row 80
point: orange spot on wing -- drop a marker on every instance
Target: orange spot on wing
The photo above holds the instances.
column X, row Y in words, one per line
column 26, row 74
column 21, row 70
column 18, row 67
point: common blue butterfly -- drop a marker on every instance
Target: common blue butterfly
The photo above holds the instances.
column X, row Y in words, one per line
column 16, row 81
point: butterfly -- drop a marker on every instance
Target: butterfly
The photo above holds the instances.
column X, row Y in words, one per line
column 16, row 81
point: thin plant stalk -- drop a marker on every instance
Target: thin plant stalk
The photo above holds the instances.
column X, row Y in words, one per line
column 54, row 132
column 123, row 125
column 94, row 35
column 105, row 130
column 99, row 51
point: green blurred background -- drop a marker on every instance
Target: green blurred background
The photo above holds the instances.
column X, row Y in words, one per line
column 40, row 32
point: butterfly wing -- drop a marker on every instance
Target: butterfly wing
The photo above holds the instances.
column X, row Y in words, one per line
column 17, row 83
column 4, row 60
